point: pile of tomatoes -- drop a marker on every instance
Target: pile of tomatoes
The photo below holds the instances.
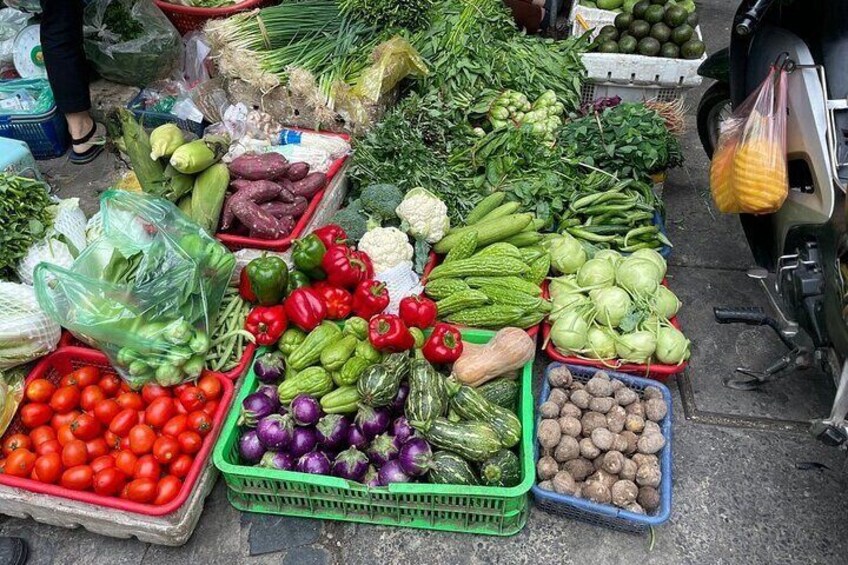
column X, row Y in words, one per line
column 93, row 433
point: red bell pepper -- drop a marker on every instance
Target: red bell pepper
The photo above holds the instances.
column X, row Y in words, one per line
column 266, row 323
column 418, row 312
column 387, row 332
column 245, row 288
column 331, row 235
column 339, row 302
column 443, row 346
column 344, row 267
column 370, row 297
column 305, row 308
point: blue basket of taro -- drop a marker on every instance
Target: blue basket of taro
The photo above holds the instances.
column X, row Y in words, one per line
column 608, row 515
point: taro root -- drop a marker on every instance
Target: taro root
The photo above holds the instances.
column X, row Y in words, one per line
column 580, row 468
column 559, row 376
column 569, row 409
column 632, row 441
column 642, row 459
column 628, row 469
column 580, row 398
column 624, row 493
column 636, row 409
column 635, row 508
column 625, row 396
column 615, row 419
column 648, row 476
column 655, row 409
column 588, row 448
column 651, row 428
column 567, row 449
column 549, row 433
column 602, row 438
column 602, row 405
column 619, row 443
column 596, row 491
column 564, row 484
column 546, row 485
column 558, row 396
column 652, row 392
column 634, row 423
column 650, row 443
column 616, row 384
column 603, row 477
column 599, row 387
column 546, row 468
column 570, row 426
column 592, row 420
column 603, row 375
column 648, row 498
column 613, row 462
column 549, row 409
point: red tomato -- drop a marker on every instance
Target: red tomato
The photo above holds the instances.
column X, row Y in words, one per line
column 125, row 443
column 160, row 411
column 178, row 390
column 142, row 490
column 86, row 427
column 130, row 400
column 16, row 441
column 96, row 447
column 211, row 407
column 39, row 390
column 49, row 468
column 167, row 490
column 125, row 461
column 78, row 477
column 190, row 442
column 109, row 481
column 20, row 463
column 35, row 414
column 82, row 377
column 49, row 446
column 102, row 462
column 211, row 387
column 123, row 422
column 180, row 408
column 125, row 387
column 181, row 466
column 90, row 396
column 41, row 434
column 59, row 420
column 112, row 441
column 175, row 425
column 2, row 466
column 64, row 434
column 200, row 422
column 110, row 385
column 106, row 410
column 152, row 391
column 146, row 467
column 165, row 449
column 141, row 437
column 65, row 399
column 74, row 453
column 193, row 398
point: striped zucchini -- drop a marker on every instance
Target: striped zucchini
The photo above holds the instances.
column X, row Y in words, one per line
column 474, row 441
column 442, row 288
column 502, row 391
column 471, row 405
column 449, row 469
column 503, row 469
column 427, row 399
column 460, row 301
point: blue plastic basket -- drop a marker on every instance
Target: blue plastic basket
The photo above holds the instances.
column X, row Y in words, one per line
column 46, row 133
column 605, row 514
column 665, row 250
column 150, row 119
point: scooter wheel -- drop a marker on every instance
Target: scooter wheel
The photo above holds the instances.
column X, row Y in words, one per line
column 713, row 108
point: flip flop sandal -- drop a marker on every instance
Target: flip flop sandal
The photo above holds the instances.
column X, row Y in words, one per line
column 92, row 152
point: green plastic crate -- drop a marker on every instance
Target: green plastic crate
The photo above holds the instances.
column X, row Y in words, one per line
column 475, row 510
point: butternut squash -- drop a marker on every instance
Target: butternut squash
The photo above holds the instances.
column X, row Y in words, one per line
column 509, row 350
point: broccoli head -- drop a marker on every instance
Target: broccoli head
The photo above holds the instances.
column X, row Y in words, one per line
column 381, row 200
column 352, row 219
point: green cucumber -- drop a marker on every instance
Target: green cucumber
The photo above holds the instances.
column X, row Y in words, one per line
column 484, row 207
column 488, row 232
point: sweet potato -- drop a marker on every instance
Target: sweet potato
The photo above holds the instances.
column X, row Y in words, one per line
column 265, row 166
column 279, row 209
column 297, row 171
column 267, row 187
column 309, row 186
column 227, row 216
column 244, row 205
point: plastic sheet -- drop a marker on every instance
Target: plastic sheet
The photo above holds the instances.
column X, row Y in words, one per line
column 11, row 22
column 26, row 332
column 146, row 293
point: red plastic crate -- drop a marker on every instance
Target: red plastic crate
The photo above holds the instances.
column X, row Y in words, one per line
column 66, row 360
column 657, row 372
column 236, row 242
column 434, row 260
column 189, row 18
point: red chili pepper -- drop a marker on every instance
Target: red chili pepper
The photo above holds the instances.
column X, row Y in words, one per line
column 245, row 289
column 370, row 297
column 443, row 346
column 339, row 301
column 387, row 332
column 266, row 323
column 305, row 308
column 331, row 235
column 417, row 312
column 344, row 267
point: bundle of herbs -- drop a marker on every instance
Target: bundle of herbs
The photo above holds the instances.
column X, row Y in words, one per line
column 409, row 14
column 25, row 209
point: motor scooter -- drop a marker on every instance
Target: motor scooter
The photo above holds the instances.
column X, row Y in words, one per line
column 803, row 247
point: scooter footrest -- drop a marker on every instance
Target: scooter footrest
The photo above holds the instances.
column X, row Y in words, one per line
column 752, row 315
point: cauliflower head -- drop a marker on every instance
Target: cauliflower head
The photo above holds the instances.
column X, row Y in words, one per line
column 386, row 247
column 424, row 215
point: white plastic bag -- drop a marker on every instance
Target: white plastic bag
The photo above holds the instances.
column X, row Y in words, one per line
column 26, row 333
column 11, row 22
column 401, row 281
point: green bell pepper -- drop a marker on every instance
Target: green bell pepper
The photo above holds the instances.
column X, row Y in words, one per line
column 334, row 355
column 365, row 350
column 356, row 326
column 297, row 279
column 290, row 340
column 307, row 253
column 269, row 279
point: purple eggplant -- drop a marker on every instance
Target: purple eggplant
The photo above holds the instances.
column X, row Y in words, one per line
column 254, row 407
column 306, row 410
column 401, row 430
column 250, row 448
column 392, row 472
column 276, row 432
column 350, row 464
column 314, row 462
column 382, row 449
column 303, row 441
column 399, row 403
column 277, row 460
column 372, row 421
column 372, row 477
column 415, row 457
column 332, row 430
column 270, row 367
column 355, row 438
column 271, row 392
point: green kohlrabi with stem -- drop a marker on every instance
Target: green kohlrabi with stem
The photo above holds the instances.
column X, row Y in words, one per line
column 570, row 331
column 672, row 346
column 596, row 273
column 600, row 343
column 567, row 254
column 639, row 277
column 665, row 303
column 612, row 304
column 654, row 257
column 636, row 347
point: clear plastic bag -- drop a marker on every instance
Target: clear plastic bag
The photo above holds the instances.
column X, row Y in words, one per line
column 132, row 42
column 26, row 333
column 146, row 293
column 748, row 173
column 11, row 22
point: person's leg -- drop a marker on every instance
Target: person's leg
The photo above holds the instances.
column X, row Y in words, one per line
column 67, row 70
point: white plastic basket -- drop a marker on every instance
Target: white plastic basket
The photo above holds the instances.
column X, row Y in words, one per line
column 632, row 77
